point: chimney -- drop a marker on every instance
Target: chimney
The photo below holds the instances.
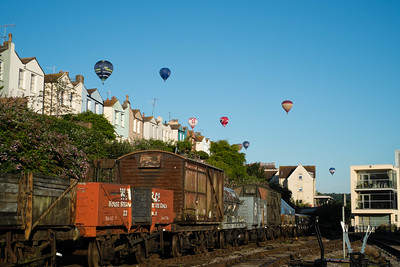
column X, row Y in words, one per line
column 143, row 114
column 6, row 43
column 79, row 78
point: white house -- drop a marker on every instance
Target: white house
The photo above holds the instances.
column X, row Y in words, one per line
column 60, row 96
column 164, row 129
column 20, row 77
column 202, row 143
column 300, row 180
column 150, row 128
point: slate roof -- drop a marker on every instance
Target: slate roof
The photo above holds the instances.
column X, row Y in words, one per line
column 286, row 171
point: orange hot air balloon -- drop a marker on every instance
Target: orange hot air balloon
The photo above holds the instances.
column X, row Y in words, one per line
column 287, row 105
column 224, row 121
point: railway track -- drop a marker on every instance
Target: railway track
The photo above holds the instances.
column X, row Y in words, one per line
column 270, row 253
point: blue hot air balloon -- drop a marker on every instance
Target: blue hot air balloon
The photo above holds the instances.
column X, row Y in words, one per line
column 103, row 69
column 246, row 144
column 165, row 73
column 332, row 170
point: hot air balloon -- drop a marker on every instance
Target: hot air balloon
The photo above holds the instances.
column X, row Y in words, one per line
column 246, row 144
column 165, row 73
column 332, row 170
column 224, row 121
column 240, row 146
column 192, row 122
column 287, row 105
column 103, row 69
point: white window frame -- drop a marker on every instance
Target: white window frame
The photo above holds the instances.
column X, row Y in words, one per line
column 122, row 119
column 21, row 79
column 1, row 69
column 33, row 82
column 116, row 118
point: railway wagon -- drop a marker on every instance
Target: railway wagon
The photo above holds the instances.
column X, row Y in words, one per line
column 198, row 191
column 261, row 210
column 35, row 212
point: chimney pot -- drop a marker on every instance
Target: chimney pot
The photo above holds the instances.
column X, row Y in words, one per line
column 80, row 78
column 10, row 37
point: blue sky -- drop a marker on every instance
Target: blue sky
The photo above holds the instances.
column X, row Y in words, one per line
column 338, row 61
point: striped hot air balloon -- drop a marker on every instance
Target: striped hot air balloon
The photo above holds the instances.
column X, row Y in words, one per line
column 287, row 105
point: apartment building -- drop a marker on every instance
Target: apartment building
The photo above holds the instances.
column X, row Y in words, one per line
column 374, row 197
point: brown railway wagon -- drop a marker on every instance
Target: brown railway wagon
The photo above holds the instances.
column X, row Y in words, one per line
column 198, row 188
column 35, row 211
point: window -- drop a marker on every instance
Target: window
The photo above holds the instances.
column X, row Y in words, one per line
column 96, row 108
column 116, row 118
column 71, row 97
column 1, row 70
column 300, row 189
column 62, row 97
column 21, row 79
column 88, row 104
column 122, row 120
column 300, row 176
column 134, row 126
column 33, row 83
column 138, row 127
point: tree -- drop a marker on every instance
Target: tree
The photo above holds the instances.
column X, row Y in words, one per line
column 226, row 157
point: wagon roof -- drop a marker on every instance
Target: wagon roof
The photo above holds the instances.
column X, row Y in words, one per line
column 170, row 153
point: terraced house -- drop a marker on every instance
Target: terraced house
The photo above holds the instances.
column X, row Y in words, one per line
column 20, row 77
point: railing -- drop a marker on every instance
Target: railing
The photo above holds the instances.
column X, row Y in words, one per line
column 376, row 205
column 375, row 184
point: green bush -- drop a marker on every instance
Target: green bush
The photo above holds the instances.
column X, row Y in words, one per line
column 28, row 144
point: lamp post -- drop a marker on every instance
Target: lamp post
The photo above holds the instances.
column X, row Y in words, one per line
column 343, row 218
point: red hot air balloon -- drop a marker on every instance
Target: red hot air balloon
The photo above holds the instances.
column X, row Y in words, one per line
column 224, row 121
column 240, row 146
column 287, row 105
column 192, row 122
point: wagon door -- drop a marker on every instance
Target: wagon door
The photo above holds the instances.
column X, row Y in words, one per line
column 195, row 193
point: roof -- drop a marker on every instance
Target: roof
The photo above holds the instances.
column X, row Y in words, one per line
column 175, row 126
column 27, row 59
column 199, row 138
column 286, row 171
column 91, row 91
column 52, row 77
column 269, row 173
column 147, row 118
column 110, row 103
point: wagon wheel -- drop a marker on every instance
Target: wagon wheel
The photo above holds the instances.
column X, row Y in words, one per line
column 176, row 247
column 140, row 254
column 93, row 254
column 222, row 243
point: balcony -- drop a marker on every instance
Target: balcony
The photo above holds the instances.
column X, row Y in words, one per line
column 376, row 184
column 376, row 205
